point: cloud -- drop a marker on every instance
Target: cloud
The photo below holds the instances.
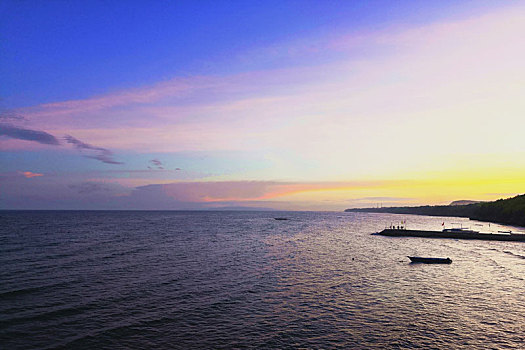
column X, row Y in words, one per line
column 28, row 135
column 210, row 191
column 417, row 83
column 8, row 115
column 246, row 191
column 464, row 31
column 29, row 174
column 99, row 153
column 359, row 117
column 388, row 199
column 177, row 87
column 157, row 163
column 90, row 187
column 62, row 191
column 267, row 194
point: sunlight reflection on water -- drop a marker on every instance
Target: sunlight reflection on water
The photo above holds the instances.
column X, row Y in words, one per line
column 243, row 279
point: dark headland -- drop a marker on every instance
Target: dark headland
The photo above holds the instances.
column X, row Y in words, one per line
column 510, row 211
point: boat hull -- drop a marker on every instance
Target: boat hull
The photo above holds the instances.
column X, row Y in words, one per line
column 417, row 259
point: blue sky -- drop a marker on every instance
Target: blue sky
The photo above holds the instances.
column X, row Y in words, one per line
column 61, row 50
column 282, row 104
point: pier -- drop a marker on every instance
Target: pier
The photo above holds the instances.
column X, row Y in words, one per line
column 394, row 232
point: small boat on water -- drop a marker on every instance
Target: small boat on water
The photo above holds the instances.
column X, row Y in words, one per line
column 281, row 218
column 417, row 259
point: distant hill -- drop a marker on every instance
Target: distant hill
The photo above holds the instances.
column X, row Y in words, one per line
column 505, row 211
column 510, row 211
column 464, row 202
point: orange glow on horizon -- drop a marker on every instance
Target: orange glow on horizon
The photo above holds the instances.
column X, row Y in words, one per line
column 29, row 174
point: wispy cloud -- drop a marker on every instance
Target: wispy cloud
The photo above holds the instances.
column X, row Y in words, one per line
column 90, row 187
column 28, row 134
column 156, row 163
column 9, row 115
column 29, row 174
column 171, row 88
column 415, row 73
column 386, row 199
column 240, row 191
column 102, row 154
column 450, row 87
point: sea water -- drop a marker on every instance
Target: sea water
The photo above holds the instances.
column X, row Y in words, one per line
column 136, row 280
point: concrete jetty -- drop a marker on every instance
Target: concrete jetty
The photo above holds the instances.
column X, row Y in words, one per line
column 460, row 234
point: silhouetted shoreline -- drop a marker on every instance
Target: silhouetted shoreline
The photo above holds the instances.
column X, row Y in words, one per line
column 510, row 211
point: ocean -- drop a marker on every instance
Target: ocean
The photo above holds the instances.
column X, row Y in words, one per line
column 212, row 279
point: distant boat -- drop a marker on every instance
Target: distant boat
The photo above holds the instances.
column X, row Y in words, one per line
column 417, row 259
column 281, row 218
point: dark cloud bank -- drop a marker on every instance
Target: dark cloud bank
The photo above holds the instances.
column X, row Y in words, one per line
column 102, row 154
column 28, row 135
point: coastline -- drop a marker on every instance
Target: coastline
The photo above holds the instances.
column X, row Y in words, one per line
column 510, row 211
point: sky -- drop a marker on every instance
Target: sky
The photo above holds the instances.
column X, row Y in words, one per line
column 290, row 105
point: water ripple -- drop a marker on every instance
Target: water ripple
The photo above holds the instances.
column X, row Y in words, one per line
column 133, row 280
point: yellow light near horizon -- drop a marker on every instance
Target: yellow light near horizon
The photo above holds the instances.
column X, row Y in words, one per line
column 416, row 192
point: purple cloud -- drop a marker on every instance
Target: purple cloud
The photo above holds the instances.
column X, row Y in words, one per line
column 98, row 153
column 89, row 187
column 28, row 135
column 157, row 163
column 9, row 115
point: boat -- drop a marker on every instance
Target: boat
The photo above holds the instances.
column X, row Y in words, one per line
column 418, row 259
column 281, row 218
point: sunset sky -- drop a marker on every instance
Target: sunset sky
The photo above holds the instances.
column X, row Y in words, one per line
column 296, row 105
